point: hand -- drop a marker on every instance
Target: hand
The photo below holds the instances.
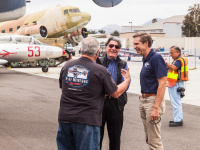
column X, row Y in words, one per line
column 125, row 74
column 165, row 60
column 155, row 114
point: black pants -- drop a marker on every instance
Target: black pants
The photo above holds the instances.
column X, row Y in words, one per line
column 113, row 116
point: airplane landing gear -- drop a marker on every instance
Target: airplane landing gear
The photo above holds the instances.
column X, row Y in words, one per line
column 46, row 67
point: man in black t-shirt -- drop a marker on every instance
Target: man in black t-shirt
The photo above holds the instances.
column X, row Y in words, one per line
column 84, row 85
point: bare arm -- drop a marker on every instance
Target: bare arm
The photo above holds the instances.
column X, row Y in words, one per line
column 160, row 95
column 170, row 66
column 122, row 86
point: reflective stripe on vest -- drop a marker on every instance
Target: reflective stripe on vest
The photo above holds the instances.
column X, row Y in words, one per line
column 172, row 77
column 184, row 69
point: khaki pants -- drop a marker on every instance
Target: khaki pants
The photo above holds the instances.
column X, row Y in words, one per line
column 152, row 129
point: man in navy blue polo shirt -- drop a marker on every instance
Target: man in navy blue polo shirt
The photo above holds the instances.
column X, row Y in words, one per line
column 153, row 77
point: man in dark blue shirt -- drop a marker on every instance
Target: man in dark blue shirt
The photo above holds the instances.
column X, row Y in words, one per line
column 153, row 84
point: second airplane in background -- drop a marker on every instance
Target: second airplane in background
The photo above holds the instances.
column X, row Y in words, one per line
column 65, row 21
column 16, row 51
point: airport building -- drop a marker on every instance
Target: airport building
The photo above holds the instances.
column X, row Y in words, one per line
column 166, row 28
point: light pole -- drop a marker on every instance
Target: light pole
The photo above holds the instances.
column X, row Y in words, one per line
column 131, row 25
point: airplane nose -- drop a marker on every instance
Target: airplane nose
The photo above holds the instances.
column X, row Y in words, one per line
column 86, row 16
column 89, row 17
column 64, row 52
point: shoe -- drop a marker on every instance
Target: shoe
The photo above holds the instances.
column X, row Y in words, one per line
column 176, row 124
column 171, row 121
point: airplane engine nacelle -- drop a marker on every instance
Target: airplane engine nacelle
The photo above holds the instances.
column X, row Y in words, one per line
column 38, row 31
column 3, row 62
column 77, row 36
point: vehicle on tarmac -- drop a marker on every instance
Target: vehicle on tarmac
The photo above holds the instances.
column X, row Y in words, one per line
column 70, row 48
column 26, row 51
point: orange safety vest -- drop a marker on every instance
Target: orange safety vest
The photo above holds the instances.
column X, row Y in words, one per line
column 174, row 75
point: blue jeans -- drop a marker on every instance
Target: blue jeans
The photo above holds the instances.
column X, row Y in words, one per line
column 175, row 99
column 75, row 136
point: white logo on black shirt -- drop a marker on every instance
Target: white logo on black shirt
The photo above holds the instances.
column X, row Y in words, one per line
column 77, row 76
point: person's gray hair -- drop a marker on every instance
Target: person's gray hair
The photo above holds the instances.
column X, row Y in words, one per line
column 89, row 46
column 176, row 48
column 114, row 39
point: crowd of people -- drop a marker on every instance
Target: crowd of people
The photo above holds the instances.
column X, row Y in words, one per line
column 94, row 94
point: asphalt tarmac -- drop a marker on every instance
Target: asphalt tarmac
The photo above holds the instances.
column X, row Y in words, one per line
column 29, row 108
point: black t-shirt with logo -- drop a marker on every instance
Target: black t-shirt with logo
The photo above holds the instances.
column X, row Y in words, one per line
column 84, row 85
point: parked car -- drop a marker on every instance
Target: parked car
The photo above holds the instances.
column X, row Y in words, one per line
column 77, row 50
column 70, row 48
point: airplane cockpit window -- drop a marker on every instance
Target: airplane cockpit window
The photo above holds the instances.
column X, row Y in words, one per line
column 74, row 10
column 23, row 39
column 65, row 11
column 36, row 42
column 5, row 40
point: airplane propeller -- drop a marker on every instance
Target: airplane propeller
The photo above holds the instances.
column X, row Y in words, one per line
column 43, row 31
column 84, row 32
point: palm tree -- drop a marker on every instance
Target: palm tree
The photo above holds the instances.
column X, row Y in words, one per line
column 154, row 20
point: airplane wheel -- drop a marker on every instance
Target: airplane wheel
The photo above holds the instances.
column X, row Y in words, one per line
column 24, row 64
column 42, row 62
column 33, row 63
column 52, row 62
column 45, row 69
column 61, row 59
column 14, row 64
column 7, row 65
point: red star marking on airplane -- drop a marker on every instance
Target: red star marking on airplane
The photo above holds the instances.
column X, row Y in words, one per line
column 6, row 53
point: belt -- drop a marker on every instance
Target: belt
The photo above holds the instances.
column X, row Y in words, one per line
column 147, row 95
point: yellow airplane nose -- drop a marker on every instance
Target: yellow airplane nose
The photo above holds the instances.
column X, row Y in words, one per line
column 86, row 16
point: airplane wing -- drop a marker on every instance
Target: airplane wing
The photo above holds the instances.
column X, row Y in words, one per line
column 12, row 9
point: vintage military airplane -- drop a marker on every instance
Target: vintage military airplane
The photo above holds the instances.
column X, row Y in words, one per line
column 12, row 9
column 27, row 51
column 65, row 21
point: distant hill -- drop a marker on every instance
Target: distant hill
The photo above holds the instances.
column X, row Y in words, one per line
column 109, row 28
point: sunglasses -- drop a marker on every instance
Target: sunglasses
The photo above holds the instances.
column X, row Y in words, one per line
column 112, row 45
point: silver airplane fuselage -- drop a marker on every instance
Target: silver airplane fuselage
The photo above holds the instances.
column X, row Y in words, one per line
column 23, row 49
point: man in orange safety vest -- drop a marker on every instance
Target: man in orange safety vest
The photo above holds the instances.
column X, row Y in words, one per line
column 177, row 74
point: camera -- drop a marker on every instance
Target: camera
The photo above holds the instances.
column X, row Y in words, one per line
column 181, row 90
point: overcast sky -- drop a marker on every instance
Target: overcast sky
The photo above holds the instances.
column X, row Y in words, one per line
column 136, row 11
